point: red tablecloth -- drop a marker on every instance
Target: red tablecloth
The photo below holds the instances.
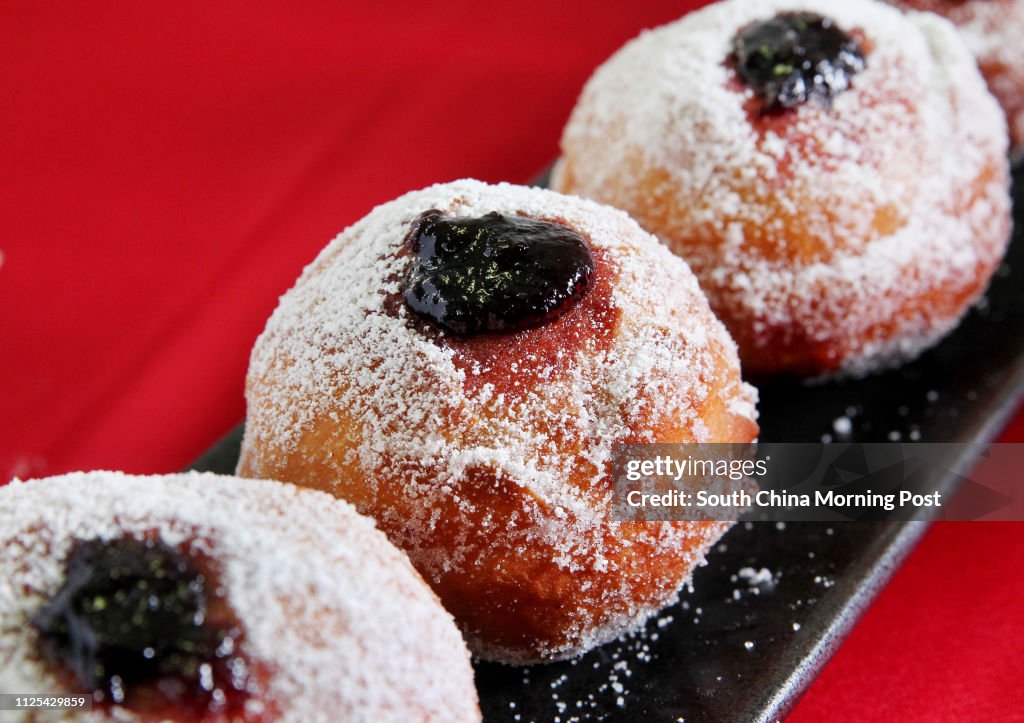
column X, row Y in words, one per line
column 168, row 170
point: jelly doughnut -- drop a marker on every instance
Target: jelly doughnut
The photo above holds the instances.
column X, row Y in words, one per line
column 199, row 597
column 835, row 173
column 460, row 365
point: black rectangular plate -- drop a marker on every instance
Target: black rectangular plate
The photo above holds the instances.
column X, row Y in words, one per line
column 734, row 650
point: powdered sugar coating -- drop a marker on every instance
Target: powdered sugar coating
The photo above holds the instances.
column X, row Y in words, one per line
column 478, row 462
column 830, row 228
column 346, row 626
column 992, row 30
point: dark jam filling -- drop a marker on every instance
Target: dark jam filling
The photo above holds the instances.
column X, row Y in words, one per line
column 494, row 273
column 796, row 57
column 140, row 624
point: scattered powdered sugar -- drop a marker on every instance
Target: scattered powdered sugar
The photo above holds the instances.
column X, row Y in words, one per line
column 842, row 425
column 757, row 581
column 825, row 226
column 756, row 578
column 604, row 685
column 343, row 386
column 344, row 624
column 824, row 580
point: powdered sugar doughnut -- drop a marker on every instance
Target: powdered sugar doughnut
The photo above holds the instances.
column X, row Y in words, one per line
column 200, row 597
column 486, row 456
column 842, row 233
column 993, row 30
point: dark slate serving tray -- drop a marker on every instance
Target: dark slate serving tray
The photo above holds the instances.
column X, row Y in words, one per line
column 775, row 600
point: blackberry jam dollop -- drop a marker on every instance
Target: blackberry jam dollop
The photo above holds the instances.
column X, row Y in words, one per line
column 133, row 617
column 494, row 273
column 797, row 57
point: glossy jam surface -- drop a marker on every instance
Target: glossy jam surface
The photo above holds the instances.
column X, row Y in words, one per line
column 142, row 624
column 513, row 365
column 794, row 58
column 494, row 273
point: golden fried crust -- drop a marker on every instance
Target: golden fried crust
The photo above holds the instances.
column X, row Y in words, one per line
column 509, row 594
column 493, row 470
column 814, row 335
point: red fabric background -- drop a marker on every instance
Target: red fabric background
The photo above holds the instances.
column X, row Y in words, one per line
column 169, row 169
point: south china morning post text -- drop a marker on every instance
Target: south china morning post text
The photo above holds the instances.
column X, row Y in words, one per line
column 736, row 470
column 810, row 482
